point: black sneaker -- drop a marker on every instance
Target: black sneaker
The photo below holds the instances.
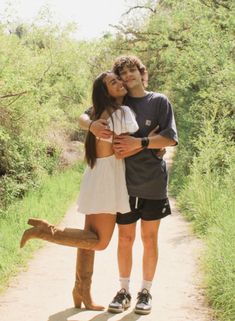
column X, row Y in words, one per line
column 143, row 305
column 121, row 302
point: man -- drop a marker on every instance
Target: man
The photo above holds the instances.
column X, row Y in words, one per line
column 146, row 178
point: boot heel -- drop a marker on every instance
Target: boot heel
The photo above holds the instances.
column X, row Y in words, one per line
column 77, row 299
column 82, row 286
column 94, row 307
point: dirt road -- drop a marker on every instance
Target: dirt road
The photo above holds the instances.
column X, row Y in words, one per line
column 43, row 292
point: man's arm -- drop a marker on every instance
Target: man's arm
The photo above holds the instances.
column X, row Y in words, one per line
column 160, row 141
column 127, row 144
column 84, row 121
column 166, row 136
column 160, row 152
column 98, row 128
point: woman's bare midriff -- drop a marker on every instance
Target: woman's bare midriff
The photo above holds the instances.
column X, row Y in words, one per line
column 103, row 149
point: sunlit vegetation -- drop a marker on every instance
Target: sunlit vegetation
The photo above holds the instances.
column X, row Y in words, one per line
column 189, row 50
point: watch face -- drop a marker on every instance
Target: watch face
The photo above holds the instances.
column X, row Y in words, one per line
column 144, row 142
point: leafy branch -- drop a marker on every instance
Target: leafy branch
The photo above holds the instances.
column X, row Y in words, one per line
column 13, row 95
column 139, row 7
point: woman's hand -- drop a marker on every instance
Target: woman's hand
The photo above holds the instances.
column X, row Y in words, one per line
column 100, row 129
column 126, row 144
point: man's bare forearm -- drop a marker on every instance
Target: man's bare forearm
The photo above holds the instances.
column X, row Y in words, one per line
column 159, row 141
column 156, row 142
column 98, row 128
column 128, row 144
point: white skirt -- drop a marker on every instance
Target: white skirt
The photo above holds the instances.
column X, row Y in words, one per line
column 103, row 188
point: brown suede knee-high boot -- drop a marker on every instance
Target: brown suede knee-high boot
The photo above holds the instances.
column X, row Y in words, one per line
column 67, row 236
column 85, row 257
column 82, row 287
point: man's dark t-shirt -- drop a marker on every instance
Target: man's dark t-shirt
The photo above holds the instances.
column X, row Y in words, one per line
column 146, row 174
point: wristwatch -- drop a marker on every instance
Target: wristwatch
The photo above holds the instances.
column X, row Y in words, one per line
column 144, row 142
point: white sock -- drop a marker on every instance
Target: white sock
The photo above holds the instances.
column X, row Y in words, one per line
column 146, row 285
column 124, row 284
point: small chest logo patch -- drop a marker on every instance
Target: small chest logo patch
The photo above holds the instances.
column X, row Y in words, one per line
column 148, row 122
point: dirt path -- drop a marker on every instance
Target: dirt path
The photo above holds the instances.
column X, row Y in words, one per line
column 43, row 292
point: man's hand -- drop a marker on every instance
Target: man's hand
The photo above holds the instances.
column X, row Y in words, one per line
column 154, row 131
column 162, row 151
column 100, row 129
column 126, row 143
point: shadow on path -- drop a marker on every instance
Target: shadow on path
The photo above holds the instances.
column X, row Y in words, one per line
column 103, row 316
column 106, row 315
column 63, row 315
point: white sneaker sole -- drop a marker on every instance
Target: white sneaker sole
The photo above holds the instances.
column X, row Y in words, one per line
column 114, row 310
column 142, row 312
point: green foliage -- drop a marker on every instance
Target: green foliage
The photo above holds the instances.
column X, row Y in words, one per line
column 104, row 51
column 207, row 193
column 207, row 199
column 188, row 48
column 43, row 202
column 44, row 79
column 221, row 261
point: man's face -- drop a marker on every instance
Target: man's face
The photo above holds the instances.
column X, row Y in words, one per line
column 131, row 77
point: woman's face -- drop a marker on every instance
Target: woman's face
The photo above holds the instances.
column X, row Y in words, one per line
column 115, row 86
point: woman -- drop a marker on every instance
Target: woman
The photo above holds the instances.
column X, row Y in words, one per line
column 103, row 189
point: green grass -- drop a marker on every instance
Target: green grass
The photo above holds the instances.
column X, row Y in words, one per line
column 207, row 200
column 220, row 255
column 219, row 265
column 51, row 202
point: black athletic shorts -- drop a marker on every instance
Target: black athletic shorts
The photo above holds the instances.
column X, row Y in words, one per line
column 147, row 210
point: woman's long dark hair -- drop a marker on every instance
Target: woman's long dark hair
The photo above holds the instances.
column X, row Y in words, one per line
column 102, row 101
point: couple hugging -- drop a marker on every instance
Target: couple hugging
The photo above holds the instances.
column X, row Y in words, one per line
column 125, row 180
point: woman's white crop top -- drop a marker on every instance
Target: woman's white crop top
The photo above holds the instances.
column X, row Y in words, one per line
column 123, row 122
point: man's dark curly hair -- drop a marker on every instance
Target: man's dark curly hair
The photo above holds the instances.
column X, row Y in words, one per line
column 130, row 61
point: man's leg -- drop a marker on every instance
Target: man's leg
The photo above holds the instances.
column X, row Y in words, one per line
column 149, row 236
column 126, row 237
